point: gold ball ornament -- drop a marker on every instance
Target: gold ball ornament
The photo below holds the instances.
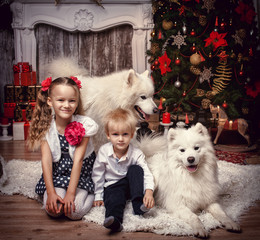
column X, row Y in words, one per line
column 195, row 59
column 167, row 25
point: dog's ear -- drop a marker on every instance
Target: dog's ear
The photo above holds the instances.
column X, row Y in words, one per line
column 131, row 78
column 171, row 134
column 201, row 129
column 145, row 73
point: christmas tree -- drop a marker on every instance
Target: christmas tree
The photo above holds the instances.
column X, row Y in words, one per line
column 204, row 52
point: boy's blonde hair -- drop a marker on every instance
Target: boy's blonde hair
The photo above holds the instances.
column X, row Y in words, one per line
column 120, row 115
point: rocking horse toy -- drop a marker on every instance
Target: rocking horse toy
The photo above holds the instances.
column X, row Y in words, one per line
column 239, row 124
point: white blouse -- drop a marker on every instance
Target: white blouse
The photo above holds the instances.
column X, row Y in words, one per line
column 52, row 138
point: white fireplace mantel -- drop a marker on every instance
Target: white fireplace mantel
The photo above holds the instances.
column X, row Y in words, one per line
column 81, row 16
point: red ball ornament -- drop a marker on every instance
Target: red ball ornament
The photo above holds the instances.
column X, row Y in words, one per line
column 156, row 62
column 177, row 61
column 193, row 33
column 193, row 48
column 184, row 94
column 224, row 105
column 241, row 73
column 153, row 67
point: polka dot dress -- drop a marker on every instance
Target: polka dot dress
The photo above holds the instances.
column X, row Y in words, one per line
column 62, row 171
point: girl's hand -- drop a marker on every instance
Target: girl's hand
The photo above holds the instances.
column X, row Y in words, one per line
column 68, row 203
column 98, row 203
column 148, row 199
column 51, row 203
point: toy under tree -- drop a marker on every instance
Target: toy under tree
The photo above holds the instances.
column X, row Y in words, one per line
column 204, row 52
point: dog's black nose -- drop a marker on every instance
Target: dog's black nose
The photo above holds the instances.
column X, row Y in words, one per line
column 191, row 159
column 155, row 110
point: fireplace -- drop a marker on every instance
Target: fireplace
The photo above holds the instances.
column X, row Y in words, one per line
column 81, row 16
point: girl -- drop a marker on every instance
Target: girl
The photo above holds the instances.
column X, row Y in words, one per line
column 63, row 135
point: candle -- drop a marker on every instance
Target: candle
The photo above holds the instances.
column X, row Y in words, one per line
column 166, row 117
column 230, row 124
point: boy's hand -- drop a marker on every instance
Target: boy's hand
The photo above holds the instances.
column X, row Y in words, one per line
column 148, row 198
column 98, row 203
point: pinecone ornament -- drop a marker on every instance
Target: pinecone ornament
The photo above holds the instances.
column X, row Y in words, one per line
column 205, row 103
column 195, row 70
column 202, row 20
column 154, row 48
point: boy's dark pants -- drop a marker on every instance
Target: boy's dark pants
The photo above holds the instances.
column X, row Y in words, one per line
column 129, row 187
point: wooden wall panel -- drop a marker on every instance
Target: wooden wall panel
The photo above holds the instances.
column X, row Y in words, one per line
column 99, row 52
column 6, row 62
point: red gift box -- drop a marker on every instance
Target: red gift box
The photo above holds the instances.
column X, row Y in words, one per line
column 25, row 78
column 9, row 110
column 22, row 67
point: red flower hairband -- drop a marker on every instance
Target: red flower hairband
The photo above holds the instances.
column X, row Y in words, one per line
column 47, row 82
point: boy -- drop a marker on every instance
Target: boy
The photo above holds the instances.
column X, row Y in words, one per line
column 120, row 171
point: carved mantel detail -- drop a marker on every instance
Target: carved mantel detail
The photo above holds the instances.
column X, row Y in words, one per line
column 83, row 20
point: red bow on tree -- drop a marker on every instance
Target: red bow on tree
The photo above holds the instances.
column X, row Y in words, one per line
column 164, row 63
column 217, row 39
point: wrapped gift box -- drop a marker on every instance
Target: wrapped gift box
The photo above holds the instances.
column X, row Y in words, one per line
column 18, row 131
column 20, row 93
column 9, row 93
column 9, row 110
column 31, row 93
column 25, row 78
column 21, row 130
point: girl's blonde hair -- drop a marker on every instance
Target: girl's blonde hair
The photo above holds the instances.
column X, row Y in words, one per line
column 42, row 114
column 120, row 115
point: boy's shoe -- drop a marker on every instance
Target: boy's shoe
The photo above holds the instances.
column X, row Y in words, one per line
column 112, row 223
column 144, row 208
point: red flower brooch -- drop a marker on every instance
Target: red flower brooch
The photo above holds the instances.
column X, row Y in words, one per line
column 74, row 133
column 76, row 81
column 46, row 84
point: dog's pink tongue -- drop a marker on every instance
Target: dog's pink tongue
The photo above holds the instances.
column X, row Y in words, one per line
column 192, row 168
column 147, row 117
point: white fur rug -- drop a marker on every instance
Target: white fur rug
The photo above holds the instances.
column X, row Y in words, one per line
column 240, row 184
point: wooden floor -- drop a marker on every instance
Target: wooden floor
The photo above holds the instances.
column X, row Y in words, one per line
column 23, row 218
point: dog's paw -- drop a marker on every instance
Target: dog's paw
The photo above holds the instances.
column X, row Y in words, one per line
column 232, row 226
column 200, row 232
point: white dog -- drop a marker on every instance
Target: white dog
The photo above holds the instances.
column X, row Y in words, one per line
column 186, row 176
column 125, row 89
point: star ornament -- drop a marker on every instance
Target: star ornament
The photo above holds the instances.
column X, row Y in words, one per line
column 164, row 64
column 223, row 56
column 217, row 39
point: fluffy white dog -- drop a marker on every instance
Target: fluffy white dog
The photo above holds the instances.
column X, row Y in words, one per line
column 186, row 176
column 125, row 89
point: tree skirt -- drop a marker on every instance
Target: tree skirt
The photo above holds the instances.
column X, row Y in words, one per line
column 240, row 185
column 234, row 157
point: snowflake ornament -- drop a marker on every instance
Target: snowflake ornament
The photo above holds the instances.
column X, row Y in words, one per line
column 179, row 40
column 209, row 5
column 237, row 38
column 206, row 74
